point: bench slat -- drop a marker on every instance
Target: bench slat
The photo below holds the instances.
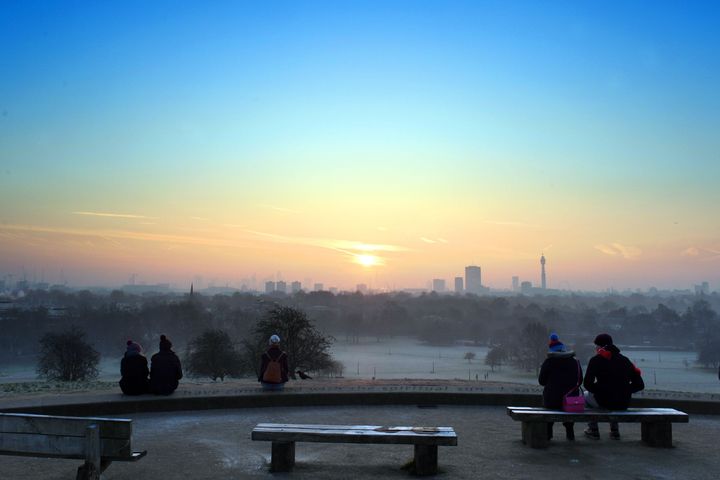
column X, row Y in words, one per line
column 634, row 415
column 352, row 434
column 58, row 446
column 110, row 428
column 296, row 426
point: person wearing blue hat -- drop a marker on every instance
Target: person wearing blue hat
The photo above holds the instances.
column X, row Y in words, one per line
column 561, row 375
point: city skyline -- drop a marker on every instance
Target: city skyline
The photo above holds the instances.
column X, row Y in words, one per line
column 384, row 146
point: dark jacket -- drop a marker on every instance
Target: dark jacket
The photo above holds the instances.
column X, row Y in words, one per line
column 165, row 371
column 560, row 373
column 134, row 371
column 274, row 353
column 612, row 378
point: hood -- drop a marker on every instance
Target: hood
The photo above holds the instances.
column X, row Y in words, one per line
column 568, row 354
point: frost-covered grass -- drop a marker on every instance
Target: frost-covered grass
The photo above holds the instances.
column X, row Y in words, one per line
column 44, row 387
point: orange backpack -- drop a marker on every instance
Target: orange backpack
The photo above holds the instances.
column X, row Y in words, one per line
column 273, row 371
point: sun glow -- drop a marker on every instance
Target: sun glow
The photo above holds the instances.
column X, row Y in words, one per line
column 367, row 260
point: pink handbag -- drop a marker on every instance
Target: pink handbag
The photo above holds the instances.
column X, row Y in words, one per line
column 574, row 403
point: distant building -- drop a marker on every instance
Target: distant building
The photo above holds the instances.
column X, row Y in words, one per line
column 295, row 287
column 438, row 285
column 526, row 288
column 362, row 288
column 269, row 287
column 459, row 285
column 542, row 274
column 702, row 289
column 318, row 287
column 515, row 283
column 473, row 279
column 333, row 290
column 281, row 286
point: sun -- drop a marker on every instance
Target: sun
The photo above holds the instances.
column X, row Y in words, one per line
column 367, row 260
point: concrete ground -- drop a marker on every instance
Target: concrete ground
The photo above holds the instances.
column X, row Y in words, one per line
column 216, row 444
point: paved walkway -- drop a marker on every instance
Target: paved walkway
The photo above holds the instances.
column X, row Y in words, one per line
column 216, row 444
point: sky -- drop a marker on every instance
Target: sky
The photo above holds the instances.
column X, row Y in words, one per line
column 386, row 143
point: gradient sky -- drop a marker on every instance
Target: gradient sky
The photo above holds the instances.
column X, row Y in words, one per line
column 284, row 139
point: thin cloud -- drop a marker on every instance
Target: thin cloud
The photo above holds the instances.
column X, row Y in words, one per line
column 344, row 246
column 122, row 235
column 512, row 224
column 277, row 208
column 618, row 249
column 111, row 215
column 606, row 250
column 690, row 252
column 427, row 240
column 627, row 251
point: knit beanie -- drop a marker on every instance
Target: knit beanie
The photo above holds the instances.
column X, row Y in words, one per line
column 274, row 340
column 555, row 345
column 165, row 343
column 133, row 347
column 603, row 340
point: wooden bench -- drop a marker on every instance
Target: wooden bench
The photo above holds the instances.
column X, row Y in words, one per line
column 284, row 436
column 655, row 423
column 99, row 441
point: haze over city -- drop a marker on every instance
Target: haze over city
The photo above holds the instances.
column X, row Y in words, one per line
column 343, row 144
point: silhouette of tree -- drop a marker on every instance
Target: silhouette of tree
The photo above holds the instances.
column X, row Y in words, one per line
column 306, row 347
column 495, row 357
column 67, row 356
column 213, row 354
column 469, row 356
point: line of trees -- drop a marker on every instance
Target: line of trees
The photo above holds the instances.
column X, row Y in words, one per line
column 686, row 322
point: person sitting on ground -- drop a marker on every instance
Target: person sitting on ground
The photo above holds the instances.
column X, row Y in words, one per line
column 561, row 375
column 165, row 369
column 134, row 370
column 610, row 380
column 273, row 366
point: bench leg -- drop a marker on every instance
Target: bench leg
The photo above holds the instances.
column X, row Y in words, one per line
column 657, row 434
column 283, row 456
column 92, row 468
column 535, row 434
column 426, row 462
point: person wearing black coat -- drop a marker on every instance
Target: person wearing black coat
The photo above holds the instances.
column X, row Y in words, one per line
column 561, row 375
column 610, row 381
column 165, row 369
column 134, row 370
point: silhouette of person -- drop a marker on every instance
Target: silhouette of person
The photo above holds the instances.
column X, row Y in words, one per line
column 273, row 366
column 165, row 369
column 134, row 370
column 561, row 375
column 610, row 380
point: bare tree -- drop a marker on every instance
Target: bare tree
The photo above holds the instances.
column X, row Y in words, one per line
column 213, row 354
column 306, row 347
column 67, row 356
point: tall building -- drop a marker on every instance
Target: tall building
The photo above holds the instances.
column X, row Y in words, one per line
column 515, row 283
column 318, row 287
column 281, row 286
column 526, row 288
column 473, row 279
column 295, row 287
column 438, row 285
column 542, row 274
column 459, row 285
column 269, row 287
